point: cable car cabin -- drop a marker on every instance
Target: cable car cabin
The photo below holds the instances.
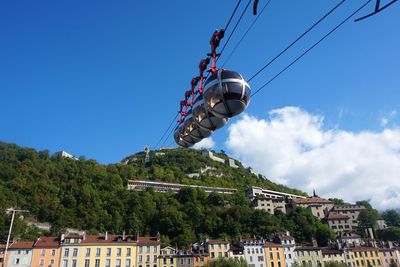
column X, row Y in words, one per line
column 226, row 93
column 178, row 136
column 206, row 120
column 194, row 129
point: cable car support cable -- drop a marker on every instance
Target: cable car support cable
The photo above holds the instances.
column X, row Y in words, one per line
column 309, row 49
column 296, row 40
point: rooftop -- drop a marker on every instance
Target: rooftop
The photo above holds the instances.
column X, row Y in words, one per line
column 311, row 200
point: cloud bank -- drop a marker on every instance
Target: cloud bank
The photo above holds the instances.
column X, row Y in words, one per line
column 207, row 143
column 291, row 147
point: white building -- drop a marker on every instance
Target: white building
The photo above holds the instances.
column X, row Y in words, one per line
column 19, row 254
column 255, row 191
column 64, row 154
column 254, row 252
column 162, row 187
column 289, row 246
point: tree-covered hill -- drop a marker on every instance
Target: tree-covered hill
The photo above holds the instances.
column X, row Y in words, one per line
column 174, row 165
column 93, row 197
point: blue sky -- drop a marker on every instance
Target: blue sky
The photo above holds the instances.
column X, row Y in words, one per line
column 104, row 78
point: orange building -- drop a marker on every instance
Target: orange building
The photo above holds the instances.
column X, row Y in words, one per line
column 46, row 252
column 274, row 255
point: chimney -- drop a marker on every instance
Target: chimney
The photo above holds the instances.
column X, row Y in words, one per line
column 62, row 238
column 106, row 236
column 84, row 236
column 137, row 235
column 123, row 235
column 314, row 242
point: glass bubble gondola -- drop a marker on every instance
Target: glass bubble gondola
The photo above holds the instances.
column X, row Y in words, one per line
column 178, row 136
column 226, row 93
column 207, row 121
column 194, row 129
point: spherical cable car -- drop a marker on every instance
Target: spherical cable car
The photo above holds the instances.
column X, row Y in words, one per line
column 226, row 93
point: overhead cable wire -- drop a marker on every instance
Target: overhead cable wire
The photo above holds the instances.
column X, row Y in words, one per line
column 312, row 47
column 233, row 14
column 296, row 40
column 245, row 34
column 166, row 131
column 169, row 135
column 234, row 28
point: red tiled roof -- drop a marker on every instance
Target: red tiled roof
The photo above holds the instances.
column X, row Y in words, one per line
column 307, row 248
column 95, row 239
column 47, row 242
column 336, row 216
column 328, row 251
column 149, row 240
column 364, row 249
column 311, row 200
column 21, row 245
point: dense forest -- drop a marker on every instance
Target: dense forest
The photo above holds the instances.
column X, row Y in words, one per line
column 93, row 197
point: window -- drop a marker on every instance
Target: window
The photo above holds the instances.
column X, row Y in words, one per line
column 88, row 252
column 73, row 263
column 98, row 252
column 75, row 252
column 41, row 262
column 53, row 252
column 165, row 260
column 66, row 252
column 212, row 246
column 260, row 258
column 155, row 258
column 108, row 262
column 251, row 258
column 279, row 264
column 97, row 263
column 188, row 261
column 51, row 262
column 140, row 249
column 257, row 250
column 148, row 249
column 65, row 263
column 127, row 262
column 119, row 252
column 219, row 254
column 118, row 263
column 140, row 258
column 220, row 246
column 155, row 249
column 147, row 258
column 272, row 264
column 128, row 252
column 42, row 252
column 87, row 263
column 108, row 254
column 19, row 252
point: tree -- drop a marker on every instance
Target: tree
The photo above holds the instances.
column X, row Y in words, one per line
column 323, row 235
column 391, row 233
column 367, row 218
column 226, row 262
column 392, row 217
column 334, row 264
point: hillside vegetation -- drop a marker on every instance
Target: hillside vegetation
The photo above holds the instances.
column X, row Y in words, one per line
column 90, row 196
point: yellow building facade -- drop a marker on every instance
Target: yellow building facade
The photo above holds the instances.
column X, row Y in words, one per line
column 98, row 251
column 366, row 257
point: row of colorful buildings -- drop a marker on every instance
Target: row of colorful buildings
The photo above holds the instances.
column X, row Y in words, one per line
column 107, row 250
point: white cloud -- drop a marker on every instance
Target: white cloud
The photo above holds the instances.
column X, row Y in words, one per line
column 207, row 143
column 292, row 148
column 384, row 120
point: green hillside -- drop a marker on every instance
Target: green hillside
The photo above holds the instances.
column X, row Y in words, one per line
column 90, row 196
column 174, row 165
